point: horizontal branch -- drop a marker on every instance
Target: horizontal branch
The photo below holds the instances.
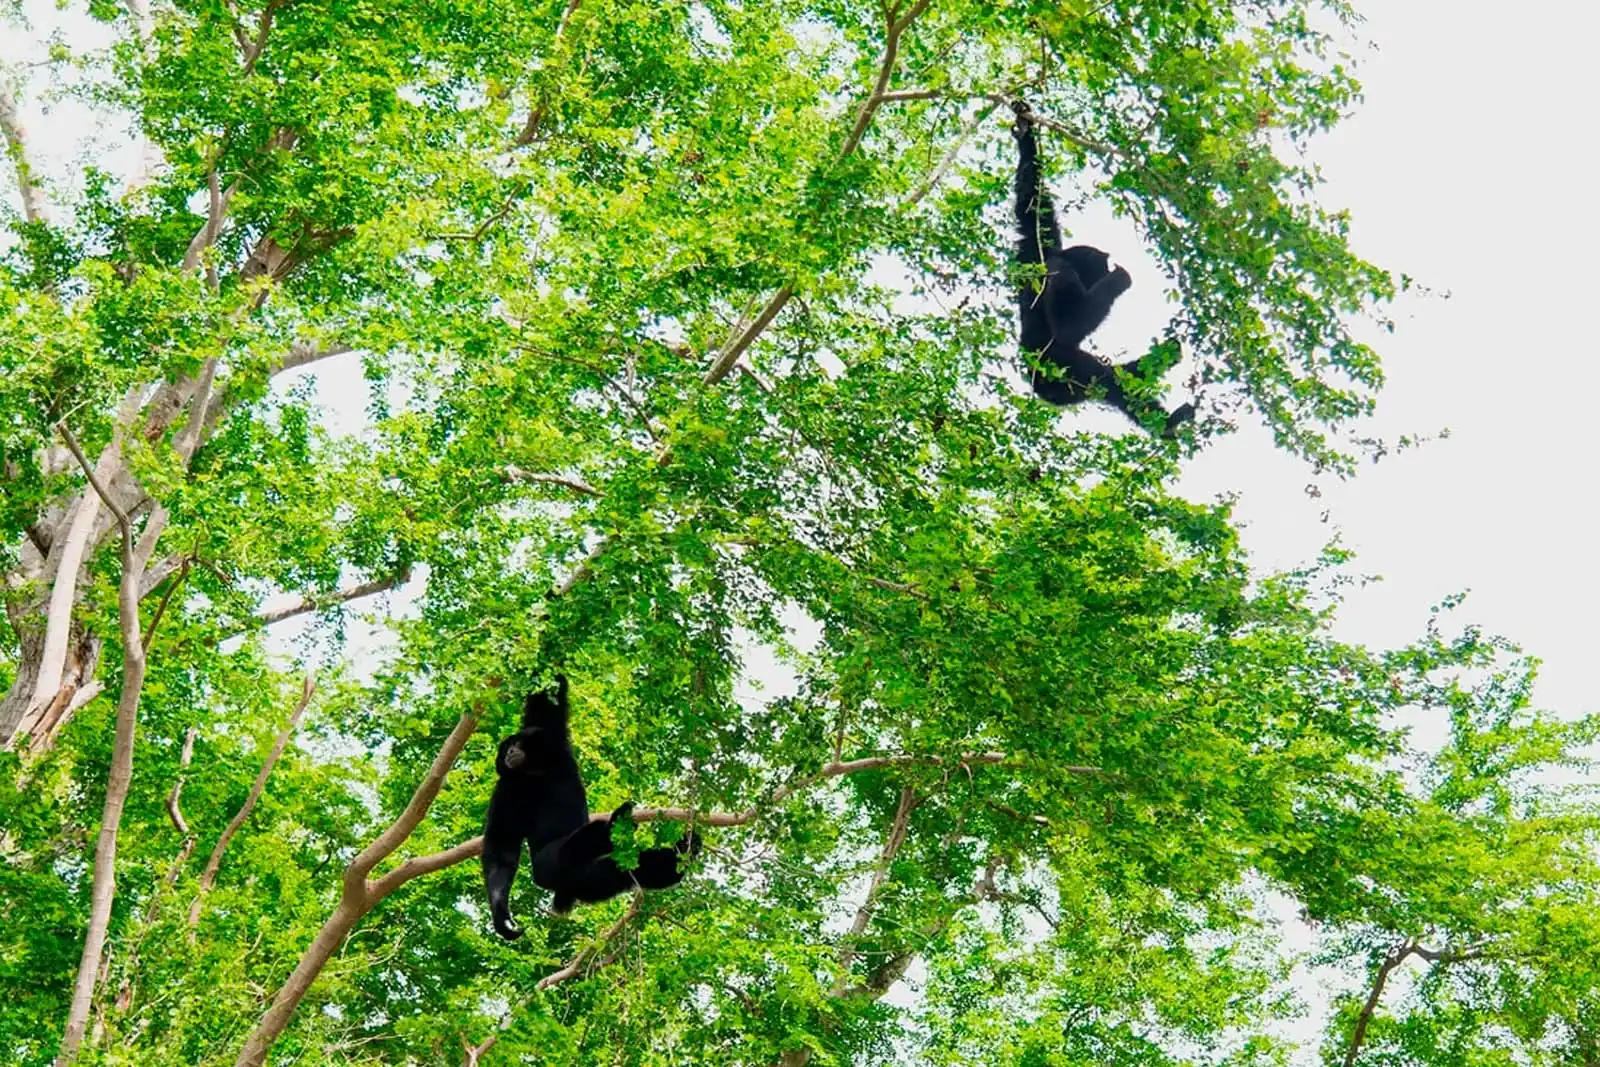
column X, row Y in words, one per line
column 318, row 601
column 514, row 473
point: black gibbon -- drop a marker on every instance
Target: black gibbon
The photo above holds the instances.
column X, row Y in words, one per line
column 1060, row 311
column 539, row 798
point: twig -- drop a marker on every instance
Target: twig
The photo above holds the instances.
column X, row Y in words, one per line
column 209, row 875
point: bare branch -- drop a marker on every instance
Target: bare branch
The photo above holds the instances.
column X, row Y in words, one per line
column 417, row 866
column 831, row 770
column 209, row 875
column 34, row 206
column 120, row 776
column 744, row 337
column 577, row 963
column 316, row 602
column 359, row 895
column 891, row 846
column 514, row 473
column 582, row 569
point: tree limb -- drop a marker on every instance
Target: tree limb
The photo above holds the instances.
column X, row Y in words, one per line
column 209, row 875
column 120, row 776
column 514, row 473
column 316, row 602
column 1392, row 959
column 359, row 895
column 34, row 206
column 530, row 129
column 898, row 828
column 744, row 336
column 585, row 954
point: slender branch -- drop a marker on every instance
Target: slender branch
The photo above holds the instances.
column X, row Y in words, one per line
column 174, row 812
column 34, row 206
column 161, row 606
column 909, row 94
column 359, row 895
column 744, row 337
column 218, row 211
column 316, row 602
column 253, row 52
column 120, row 776
column 585, row 954
column 209, row 875
column 891, row 846
column 530, row 129
column 1393, row 959
column 175, row 868
column 582, row 569
column 514, row 473
column 950, row 156
column 891, row 52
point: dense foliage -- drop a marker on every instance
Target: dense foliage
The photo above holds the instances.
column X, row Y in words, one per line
column 688, row 339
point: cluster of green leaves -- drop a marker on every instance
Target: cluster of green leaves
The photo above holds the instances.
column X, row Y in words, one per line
column 534, row 241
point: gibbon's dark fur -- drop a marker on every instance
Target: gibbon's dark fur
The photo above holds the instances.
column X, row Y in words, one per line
column 540, row 799
column 1060, row 311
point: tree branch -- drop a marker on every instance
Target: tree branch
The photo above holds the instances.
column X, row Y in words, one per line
column 1393, row 959
column 530, row 129
column 209, row 875
column 359, row 895
column 34, row 206
column 897, row 836
column 744, row 336
column 514, row 473
column 576, row 964
column 120, row 776
column 316, row 602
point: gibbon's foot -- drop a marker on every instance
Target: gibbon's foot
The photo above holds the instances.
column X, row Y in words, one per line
column 623, row 811
column 508, row 930
column 561, row 904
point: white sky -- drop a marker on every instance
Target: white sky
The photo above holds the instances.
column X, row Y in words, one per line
column 1468, row 167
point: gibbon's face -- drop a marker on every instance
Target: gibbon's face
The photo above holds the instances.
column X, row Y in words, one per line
column 520, row 753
